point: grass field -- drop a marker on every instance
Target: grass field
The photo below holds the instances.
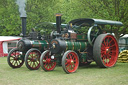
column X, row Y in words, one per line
column 86, row 75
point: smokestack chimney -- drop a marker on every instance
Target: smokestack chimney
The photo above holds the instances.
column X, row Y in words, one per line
column 23, row 19
column 58, row 22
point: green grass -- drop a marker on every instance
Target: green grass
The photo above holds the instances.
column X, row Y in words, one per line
column 86, row 75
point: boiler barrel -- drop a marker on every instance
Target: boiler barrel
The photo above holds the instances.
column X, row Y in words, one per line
column 58, row 46
column 81, row 46
column 25, row 44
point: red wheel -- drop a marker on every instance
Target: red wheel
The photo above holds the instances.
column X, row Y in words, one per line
column 47, row 61
column 15, row 58
column 105, row 50
column 70, row 61
column 32, row 58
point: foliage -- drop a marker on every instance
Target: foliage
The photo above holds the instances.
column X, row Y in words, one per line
column 8, row 18
column 39, row 11
column 116, row 10
column 80, row 30
column 45, row 28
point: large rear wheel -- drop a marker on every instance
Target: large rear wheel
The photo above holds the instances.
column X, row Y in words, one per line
column 47, row 61
column 32, row 59
column 15, row 58
column 70, row 61
column 105, row 50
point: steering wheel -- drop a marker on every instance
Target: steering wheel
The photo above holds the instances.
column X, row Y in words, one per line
column 93, row 32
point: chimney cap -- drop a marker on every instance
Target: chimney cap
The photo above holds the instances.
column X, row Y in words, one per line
column 58, row 14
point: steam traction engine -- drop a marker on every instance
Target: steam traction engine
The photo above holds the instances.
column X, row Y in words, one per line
column 82, row 42
column 29, row 49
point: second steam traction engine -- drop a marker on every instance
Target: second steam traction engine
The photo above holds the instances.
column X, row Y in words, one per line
column 82, row 42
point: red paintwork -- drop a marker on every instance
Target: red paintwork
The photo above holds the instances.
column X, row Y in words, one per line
column 72, row 62
column 109, row 51
column 49, row 64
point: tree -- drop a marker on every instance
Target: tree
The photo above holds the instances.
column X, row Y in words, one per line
column 44, row 11
column 116, row 10
column 8, row 18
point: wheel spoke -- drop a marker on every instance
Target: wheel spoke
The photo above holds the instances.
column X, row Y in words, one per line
column 44, row 64
column 104, row 43
column 110, row 42
column 103, row 55
column 113, row 51
column 112, row 45
column 30, row 63
column 15, row 64
column 108, row 57
column 107, row 41
column 18, row 62
column 70, row 56
column 47, row 66
column 68, row 65
column 67, row 62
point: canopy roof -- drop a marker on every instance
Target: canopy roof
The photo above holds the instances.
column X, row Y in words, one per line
column 95, row 21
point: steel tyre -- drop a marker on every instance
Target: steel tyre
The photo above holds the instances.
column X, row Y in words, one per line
column 15, row 58
column 47, row 61
column 70, row 61
column 105, row 50
column 32, row 59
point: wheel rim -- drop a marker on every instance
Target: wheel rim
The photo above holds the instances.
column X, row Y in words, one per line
column 49, row 62
column 71, row 62
column 14, row 59
column 109, row 51
column 33, row 58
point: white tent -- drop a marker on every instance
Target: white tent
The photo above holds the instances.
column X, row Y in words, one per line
column 7, row 43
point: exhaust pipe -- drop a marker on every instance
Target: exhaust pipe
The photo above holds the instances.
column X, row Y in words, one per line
column 23, row 19
column 58, row 22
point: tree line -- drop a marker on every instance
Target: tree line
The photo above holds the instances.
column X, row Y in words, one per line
column 44, row 11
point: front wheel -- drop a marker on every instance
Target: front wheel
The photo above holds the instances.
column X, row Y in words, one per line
column 105, row 50
column 15, row 58
column 32, row 58
column 70, row 61
column 47, row 61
